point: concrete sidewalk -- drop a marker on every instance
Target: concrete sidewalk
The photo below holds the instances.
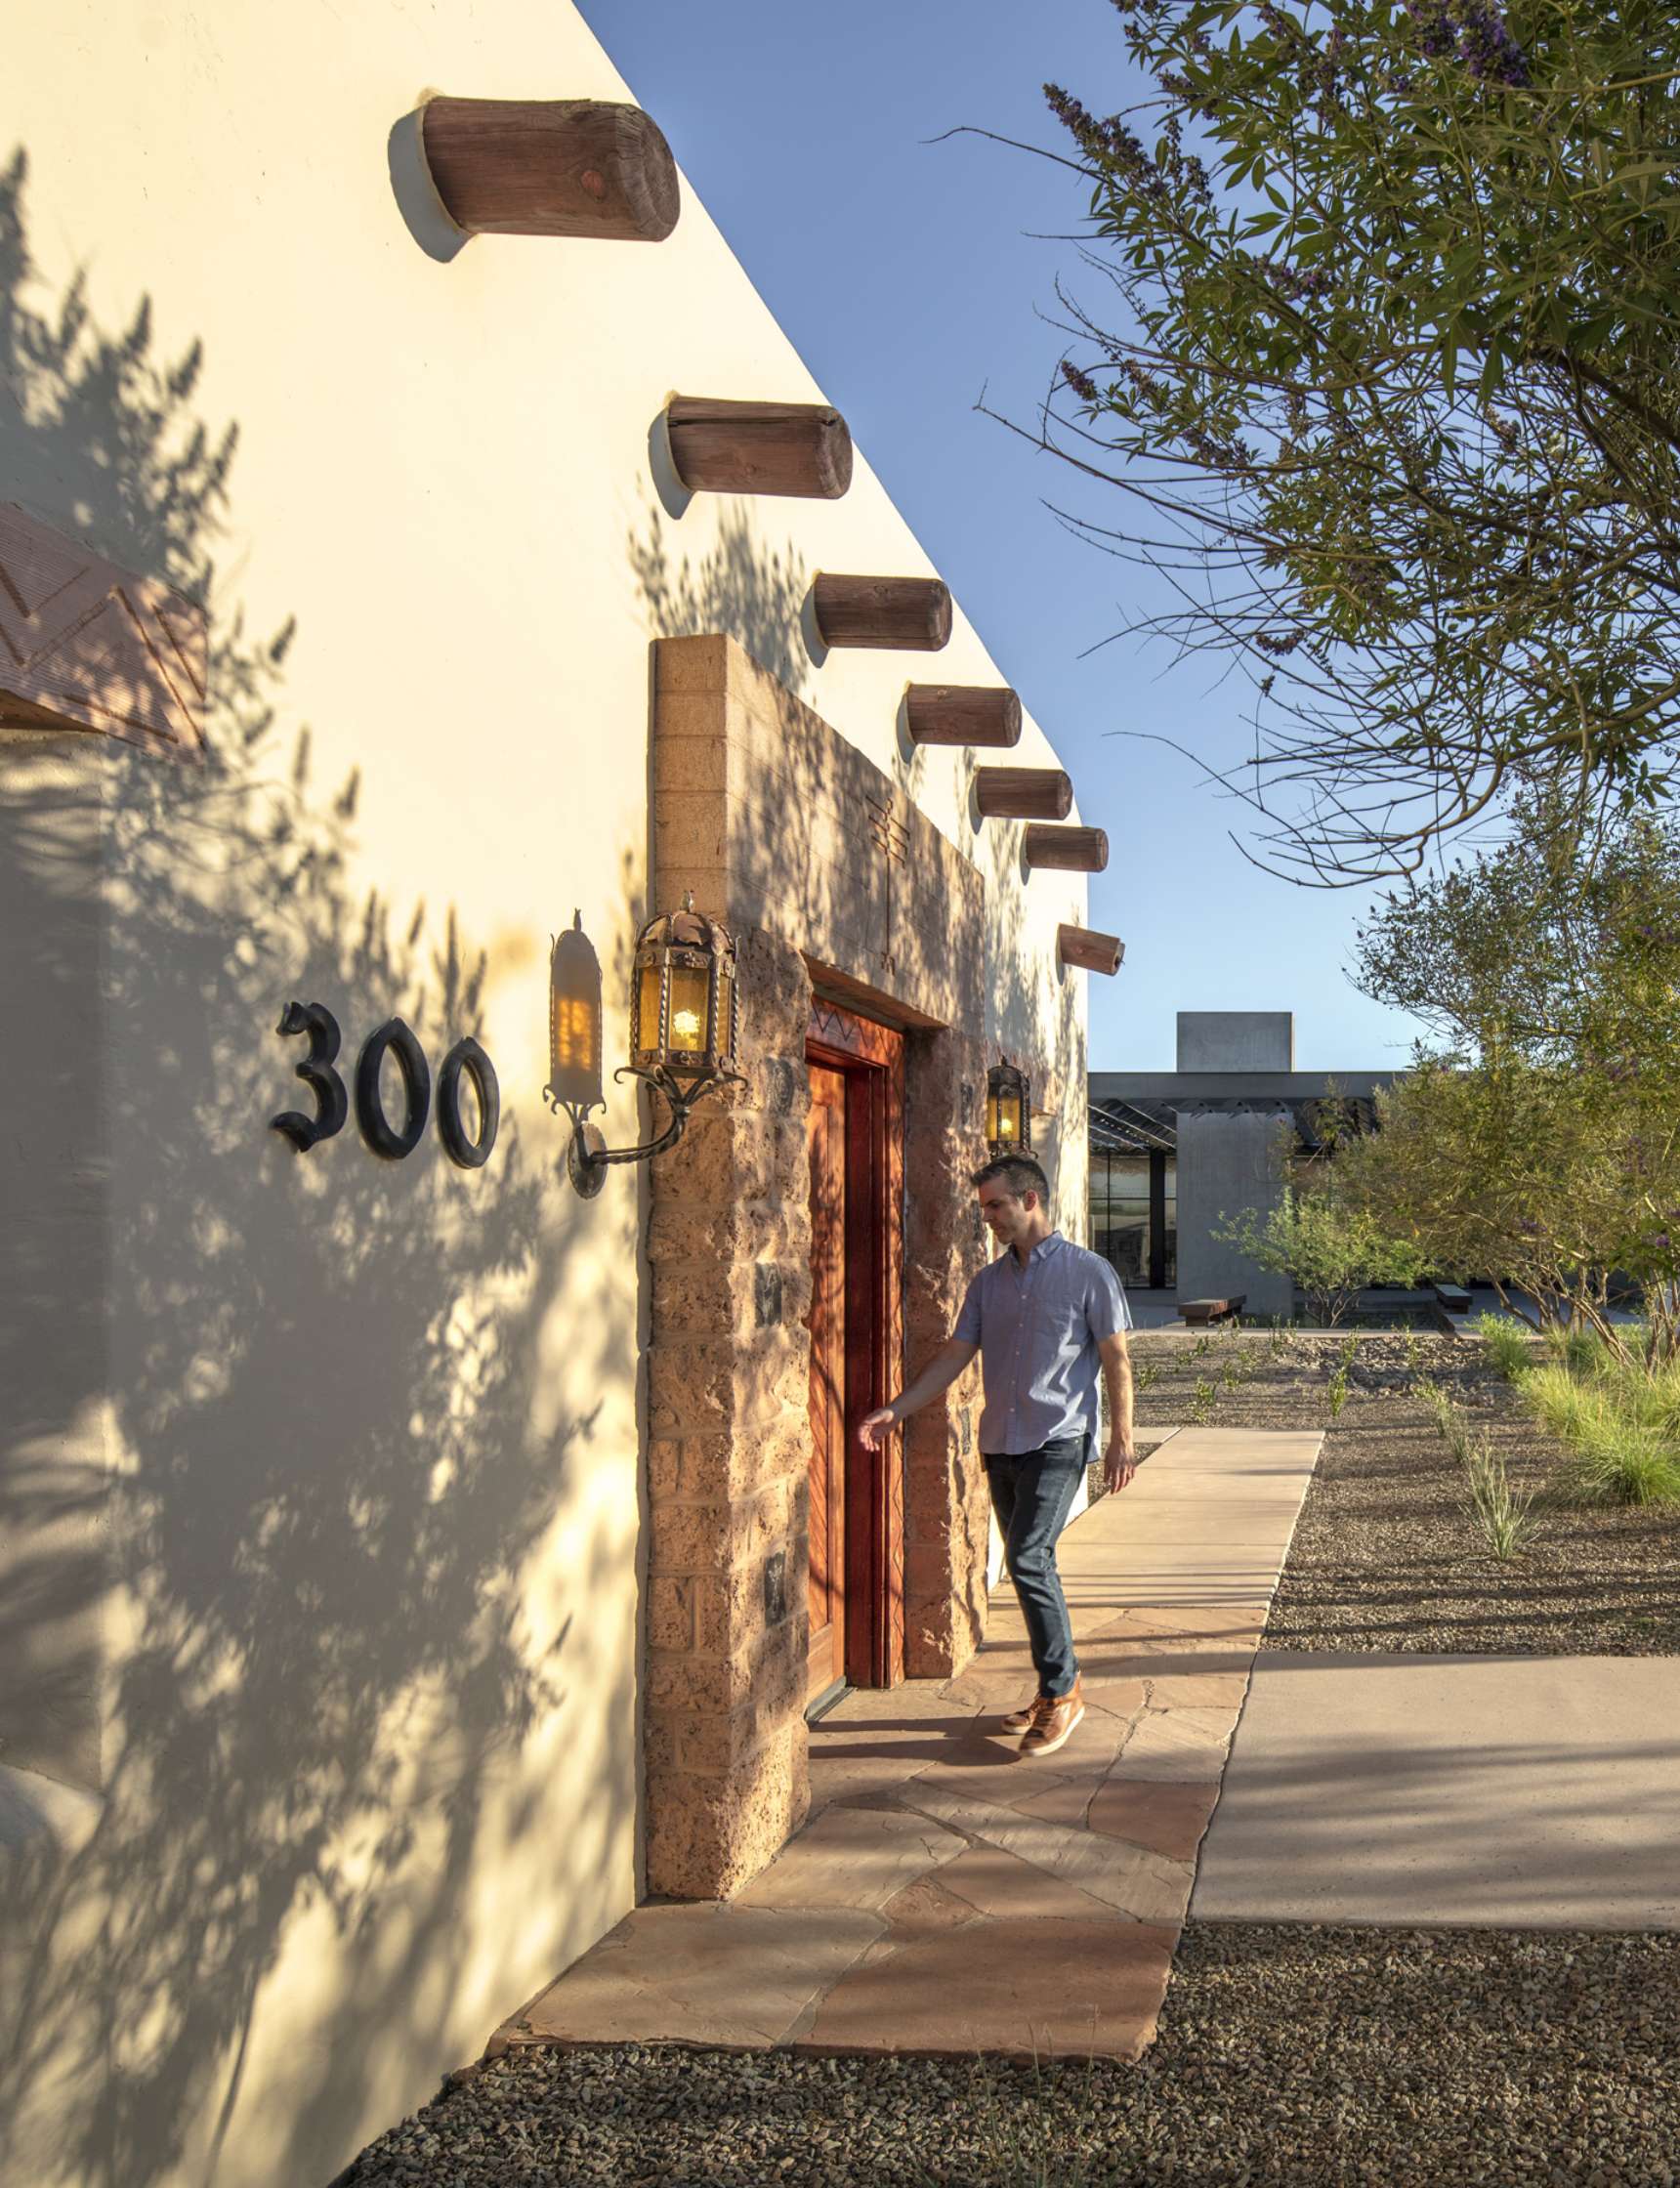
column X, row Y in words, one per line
column 1538, row 1792
column 948, row 1896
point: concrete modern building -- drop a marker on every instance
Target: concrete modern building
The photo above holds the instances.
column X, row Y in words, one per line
column 411, row 523
column 1174, row 1154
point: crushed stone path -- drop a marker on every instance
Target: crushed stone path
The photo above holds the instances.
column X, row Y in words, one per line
column 946, row 1896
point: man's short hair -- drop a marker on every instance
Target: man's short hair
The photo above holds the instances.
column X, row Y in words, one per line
column 1019, row 1174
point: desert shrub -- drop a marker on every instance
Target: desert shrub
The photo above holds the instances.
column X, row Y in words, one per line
column 1505, row 1343
column 1329, row 1247
column 1506, row 1518
column 1618, row 1451
column 1583, row 1352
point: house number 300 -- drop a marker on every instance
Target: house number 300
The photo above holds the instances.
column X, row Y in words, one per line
column 314, row 1023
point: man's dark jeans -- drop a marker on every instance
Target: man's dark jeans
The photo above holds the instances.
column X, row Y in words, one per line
column 1031, row 1495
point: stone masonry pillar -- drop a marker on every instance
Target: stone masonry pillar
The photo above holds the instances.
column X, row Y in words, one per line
column 728, row 1457
column 946, row 1507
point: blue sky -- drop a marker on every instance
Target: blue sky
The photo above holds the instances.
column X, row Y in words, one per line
column 913, row 274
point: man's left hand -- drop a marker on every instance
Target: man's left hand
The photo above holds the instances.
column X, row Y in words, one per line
column 1119, row 1463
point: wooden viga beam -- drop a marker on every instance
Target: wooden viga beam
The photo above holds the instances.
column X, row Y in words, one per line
column 722, row 447
column 1091, row 952
column 985, row 714
column 552, row 167
column 1079, row 850
column 1023, row 793
column 909, row 613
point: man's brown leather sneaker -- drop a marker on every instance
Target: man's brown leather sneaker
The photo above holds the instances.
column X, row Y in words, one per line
column 1054, row 1721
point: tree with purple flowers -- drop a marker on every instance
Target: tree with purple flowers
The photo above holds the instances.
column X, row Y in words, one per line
column 1389, row 380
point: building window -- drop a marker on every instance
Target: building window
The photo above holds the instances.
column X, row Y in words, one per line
column 1120, row 1227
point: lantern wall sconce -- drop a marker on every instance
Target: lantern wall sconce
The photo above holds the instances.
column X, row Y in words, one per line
column 1008, row 1109
column 683, row 1017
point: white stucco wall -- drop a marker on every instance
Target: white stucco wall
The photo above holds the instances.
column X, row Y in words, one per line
column 322, row 1472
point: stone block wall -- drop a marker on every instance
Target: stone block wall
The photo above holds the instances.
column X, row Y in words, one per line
column 946, row 1509
column 832, row 881
column 727, row 1458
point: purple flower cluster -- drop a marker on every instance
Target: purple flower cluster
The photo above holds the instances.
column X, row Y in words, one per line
column 1299, row 288
column 1081, row 381
column 1487, row 47
column 1476, row 33
column 1109, row 144
column 1435, row 27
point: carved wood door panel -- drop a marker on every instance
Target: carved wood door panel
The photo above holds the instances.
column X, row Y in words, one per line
column 856, row 1139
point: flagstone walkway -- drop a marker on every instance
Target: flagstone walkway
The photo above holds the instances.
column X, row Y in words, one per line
column 948, row 1896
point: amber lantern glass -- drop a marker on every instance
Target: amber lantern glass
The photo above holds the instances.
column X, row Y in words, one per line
column 685, row 999
column 1008, row 1109
column 650, row 983
column 690, row 1027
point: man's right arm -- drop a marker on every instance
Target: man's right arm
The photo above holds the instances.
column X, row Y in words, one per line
column 953, row 1356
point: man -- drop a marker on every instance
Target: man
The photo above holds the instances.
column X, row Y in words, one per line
column 1043, row 1316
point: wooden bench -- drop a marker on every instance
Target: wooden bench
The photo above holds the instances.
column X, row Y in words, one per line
column 1197, row 1313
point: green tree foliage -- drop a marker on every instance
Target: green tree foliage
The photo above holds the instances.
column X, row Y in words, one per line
column 1540, row 1144
column 1393, row 388
column 1329, row 1244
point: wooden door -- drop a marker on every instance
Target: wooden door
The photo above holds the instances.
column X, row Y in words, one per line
column 854, row 1135
column 826, row 1141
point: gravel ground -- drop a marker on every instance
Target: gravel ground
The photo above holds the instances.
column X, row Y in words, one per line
column 1298, row 2055
column 1291, row 2054
column 1384, row 1556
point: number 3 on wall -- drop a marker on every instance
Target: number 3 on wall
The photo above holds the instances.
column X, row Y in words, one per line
column 333, row 1103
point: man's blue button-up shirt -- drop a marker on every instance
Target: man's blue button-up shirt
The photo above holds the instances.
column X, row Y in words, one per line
column 1038, row 1328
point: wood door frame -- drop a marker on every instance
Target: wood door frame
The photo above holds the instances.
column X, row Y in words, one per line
column 871, row 1055
column 825, row 1519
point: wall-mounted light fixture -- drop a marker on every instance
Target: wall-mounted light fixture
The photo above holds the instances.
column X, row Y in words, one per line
column 684, row 1014
column 1008, row 1109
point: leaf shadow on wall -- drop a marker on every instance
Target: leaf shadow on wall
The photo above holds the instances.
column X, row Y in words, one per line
column 340, row 1438
column 751, row 592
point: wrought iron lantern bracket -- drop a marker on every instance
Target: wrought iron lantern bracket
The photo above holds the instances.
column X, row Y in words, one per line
column 588, row 1157
column 684, row 1018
